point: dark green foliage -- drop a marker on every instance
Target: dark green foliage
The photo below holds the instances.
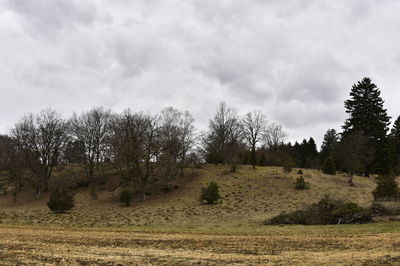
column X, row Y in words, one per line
column 331, row 139
column 300, row 172
column 126, row 197
column 367, row 115
column 61, row 197
column 262, row 161
column 395, row 146
column 301, row 183
column 326, row 211
column 329, row 166
column 386, row 189
column 210, row 193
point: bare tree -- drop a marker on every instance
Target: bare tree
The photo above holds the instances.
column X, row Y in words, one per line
column 274, row 136
column 170, row 142
column 187, row 138
column 12, row 160
column 43, row 138
column 151, row 152
column 91, row 130
column 223, row 128
column 352, row 152
column 254, row 127
column 127, row 136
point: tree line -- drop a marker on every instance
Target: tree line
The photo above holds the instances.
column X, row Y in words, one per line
column 145, row 148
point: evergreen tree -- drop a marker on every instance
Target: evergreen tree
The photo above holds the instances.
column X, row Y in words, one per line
column 329, row 167
column 395, row 146
column 262, row 161
column 367, row 115
column 386, row 189
column 331, row 139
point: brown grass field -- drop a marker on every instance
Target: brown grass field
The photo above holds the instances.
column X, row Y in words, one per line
column 294, row 246
column 174, row 228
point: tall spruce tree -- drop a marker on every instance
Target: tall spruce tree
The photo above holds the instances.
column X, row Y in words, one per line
column 367, row 115
column 331, row 139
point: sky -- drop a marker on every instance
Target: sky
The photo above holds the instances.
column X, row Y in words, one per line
column 294, row 60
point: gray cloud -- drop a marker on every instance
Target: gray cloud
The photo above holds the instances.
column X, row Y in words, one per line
column 294, row 60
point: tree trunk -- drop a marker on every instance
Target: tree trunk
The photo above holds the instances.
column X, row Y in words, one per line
column 350, row 181
column 253, row 156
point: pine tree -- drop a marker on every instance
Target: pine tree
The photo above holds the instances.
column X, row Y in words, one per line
column 329, row 167
column 331, row 139
column 367, row 115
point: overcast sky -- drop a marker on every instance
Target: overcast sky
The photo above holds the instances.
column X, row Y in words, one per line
column 294, row 60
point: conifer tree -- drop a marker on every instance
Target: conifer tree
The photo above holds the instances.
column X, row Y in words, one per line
column 331, row 139
column 395, row 145
column 367, row 115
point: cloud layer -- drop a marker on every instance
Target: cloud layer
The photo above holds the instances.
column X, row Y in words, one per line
column 294, row 60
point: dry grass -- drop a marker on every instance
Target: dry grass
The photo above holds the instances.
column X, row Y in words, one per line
column 27, row 246
column 249, row 197
column 174, row 228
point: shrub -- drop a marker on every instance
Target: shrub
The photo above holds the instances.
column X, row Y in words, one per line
column 210, row 193
column 377, row 209
column 326, row 211
column 386, row 189
column 61, row 197
column 287, row 166
column 329, row 167
column 300, row 172
column 301, row 183
column 126, row 197
column 61, row 200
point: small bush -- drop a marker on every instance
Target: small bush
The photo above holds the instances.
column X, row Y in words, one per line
column 300, row 172
column 287, row 166
column 301, row 183
column 210, row 193
column 386, row 189
column 326, row 211
column 377, row 209
column 329, row 167
column 126, row 197
column 61, row 200
column 61, row 197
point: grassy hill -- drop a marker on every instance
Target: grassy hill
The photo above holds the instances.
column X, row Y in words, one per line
column 249, row 197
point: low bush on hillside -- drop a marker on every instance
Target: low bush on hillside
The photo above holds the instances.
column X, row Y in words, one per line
column 301, row 183
column 329, row 167
column 61, row 201
column 326, row 211
column 210, row 193
column 386, row 189
column 300, row 172
column 126, row 196
column 378, row 209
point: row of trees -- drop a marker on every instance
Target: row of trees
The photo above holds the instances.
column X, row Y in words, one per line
column 141, row 147
column 230, row 137
column 145, row 147
column 365, row 145
column 138, row 145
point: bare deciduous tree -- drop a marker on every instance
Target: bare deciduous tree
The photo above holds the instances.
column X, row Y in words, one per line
column 91, row 129
column 274, row 136
column 254, row 127
column 224, row 129
column 43, row 138
column 352, row 150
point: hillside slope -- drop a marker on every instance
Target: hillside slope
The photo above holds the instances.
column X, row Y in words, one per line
column 249, row 197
